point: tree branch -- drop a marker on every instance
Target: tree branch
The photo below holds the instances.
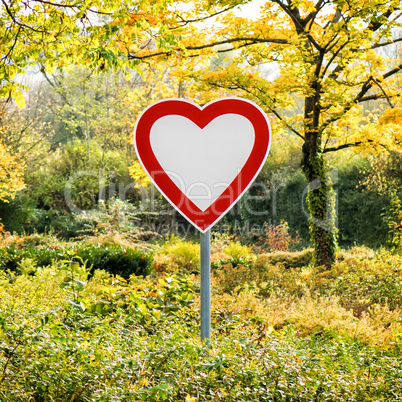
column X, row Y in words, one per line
column 300, row 23
column 311, row 17
column 383, row 91
column 377, row 25
column 392, row 72
column 19, row 23
column 372, row 27
column 185, row 22
column 360, row 97
column 390, row 42
column 251, row 41
column 335, row 19
column 272, row 110
column 293, row 13
column 76, row 5
column 9, row 11
column 366, row 86
column 288, row 126
column 13, row 45
column 333, row 75
column 376, row 97
column 348, row 145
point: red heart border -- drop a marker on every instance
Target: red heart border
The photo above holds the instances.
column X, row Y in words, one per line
column 201, row 116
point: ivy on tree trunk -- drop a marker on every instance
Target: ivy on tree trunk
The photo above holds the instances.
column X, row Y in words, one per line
column 321, row 204
column 321, row 195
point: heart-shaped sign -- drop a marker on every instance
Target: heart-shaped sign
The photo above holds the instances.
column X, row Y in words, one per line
column 202, row 159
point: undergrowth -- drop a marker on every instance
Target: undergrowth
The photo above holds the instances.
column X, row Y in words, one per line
column 69, row 332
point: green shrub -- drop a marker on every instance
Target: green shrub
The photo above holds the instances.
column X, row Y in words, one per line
column 230, row 279
column 266, row 279
column 356, row 253
column 233, row 254
column 237, row 250
column 140, row 342
column 219, row 241
column 296, row 259
column 66, row 355
column 268, row 271
column 147, row 300
column 177, row 256
column 31, row 240
column 113, row 259
column 116, row 260
column 362, row 284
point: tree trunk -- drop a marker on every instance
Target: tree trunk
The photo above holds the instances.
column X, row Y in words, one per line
column 321, row 196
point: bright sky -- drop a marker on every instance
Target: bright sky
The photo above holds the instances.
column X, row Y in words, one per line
column 251, row 10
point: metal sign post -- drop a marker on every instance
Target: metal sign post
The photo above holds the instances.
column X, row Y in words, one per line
column 205, row 246
column 202, row 159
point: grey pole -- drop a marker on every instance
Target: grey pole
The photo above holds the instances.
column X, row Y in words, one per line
column 205, row 245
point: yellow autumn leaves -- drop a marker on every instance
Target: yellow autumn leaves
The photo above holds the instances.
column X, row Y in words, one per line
column 11, row 174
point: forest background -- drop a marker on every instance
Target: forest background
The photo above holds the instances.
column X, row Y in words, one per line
column 328, row 74
column 99, row 278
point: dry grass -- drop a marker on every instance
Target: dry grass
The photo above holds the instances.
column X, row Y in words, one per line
column 116, row 239
column 314, row 316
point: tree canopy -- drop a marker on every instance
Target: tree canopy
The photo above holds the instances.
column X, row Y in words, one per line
column 93, row 34
column 330, row 57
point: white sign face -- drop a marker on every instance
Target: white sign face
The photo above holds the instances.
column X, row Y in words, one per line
column 206, row 160
column 202, row 159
